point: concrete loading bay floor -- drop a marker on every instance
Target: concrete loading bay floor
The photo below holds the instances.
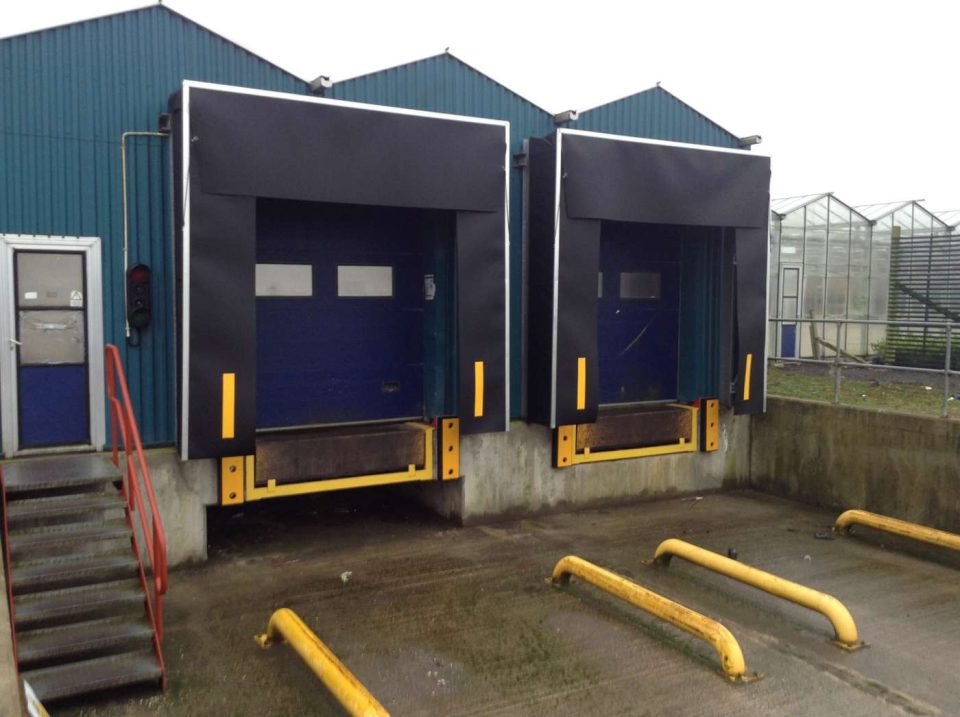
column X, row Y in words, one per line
column 439, row 620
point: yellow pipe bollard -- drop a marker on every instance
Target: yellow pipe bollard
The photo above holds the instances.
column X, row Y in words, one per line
column 932, row 536
column 834, row 610
column 710, row 631
column 286, row 624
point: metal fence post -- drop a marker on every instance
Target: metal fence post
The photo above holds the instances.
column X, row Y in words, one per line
column 836, row 366
column 946, row 373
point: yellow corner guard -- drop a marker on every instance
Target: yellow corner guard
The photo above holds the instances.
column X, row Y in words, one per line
column 710, row 631
column 843, row 625
column 286, row 624
column 897, row 527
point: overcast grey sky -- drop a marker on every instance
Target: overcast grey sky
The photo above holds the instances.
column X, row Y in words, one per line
column 857, row 98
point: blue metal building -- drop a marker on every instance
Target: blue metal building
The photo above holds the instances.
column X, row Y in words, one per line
column 69, row 94
column 72, row 91
column 444, row 83
column 656, row 114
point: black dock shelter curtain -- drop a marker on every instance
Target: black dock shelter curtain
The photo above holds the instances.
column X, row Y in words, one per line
column 620, row 179
column 245, row 145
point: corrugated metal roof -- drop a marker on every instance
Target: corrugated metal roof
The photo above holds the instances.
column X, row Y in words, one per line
column 784, row 206
column 68, row 94
column 877, row 211
column 158, row 4
column 950, row 217
column 656, row 114
column 436, row 60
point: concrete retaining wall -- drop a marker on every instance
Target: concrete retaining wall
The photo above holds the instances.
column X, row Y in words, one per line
column 844, row 457
column 511, row 474
column 183, row 490
column 832, row 456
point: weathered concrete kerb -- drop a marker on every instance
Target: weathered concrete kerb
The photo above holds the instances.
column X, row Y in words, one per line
column 841, row 457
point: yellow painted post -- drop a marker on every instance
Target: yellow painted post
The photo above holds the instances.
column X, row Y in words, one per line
column 354, row 697
column 896, row 526
column 844, row 627
column 710, row 631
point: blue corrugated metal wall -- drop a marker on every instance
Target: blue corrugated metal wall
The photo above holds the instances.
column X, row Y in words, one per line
column 67, row 95
column 69, row 92
column 446, row 84
column 655, row 114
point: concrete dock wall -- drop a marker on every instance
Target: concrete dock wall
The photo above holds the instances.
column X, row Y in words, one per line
column 183, row 492
column 831, row 456
column 843, row 457
column 511, row 473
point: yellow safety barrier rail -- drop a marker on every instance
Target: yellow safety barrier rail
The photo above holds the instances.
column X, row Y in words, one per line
column 897, row 527
column 710, row 631
column 286, row 624
column 843, row 625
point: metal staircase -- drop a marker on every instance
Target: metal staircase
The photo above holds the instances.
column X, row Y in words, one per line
column 86, row 564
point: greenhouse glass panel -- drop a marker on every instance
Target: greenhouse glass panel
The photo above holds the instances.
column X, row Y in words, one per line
column 859, row 247
column 813, row 292
column 903, row 218
column 836, row 306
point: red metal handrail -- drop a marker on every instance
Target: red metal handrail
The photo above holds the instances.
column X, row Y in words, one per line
column 135, row 484
column 8, row 571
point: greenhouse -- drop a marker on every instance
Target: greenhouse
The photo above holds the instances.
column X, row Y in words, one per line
column 923, row 270
column 830, row 262
column 824, row 264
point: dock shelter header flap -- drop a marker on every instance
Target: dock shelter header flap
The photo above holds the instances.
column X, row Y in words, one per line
column 630, row 181
column 262, row 146
column 233, row 146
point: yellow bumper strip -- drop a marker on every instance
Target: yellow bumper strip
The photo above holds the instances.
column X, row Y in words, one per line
column 710, row 631
column 354, row 697
column 478, row 389
column 844, row 627
column 913, row 531
column 581, row 383
column 229, row 405
column 746, row 379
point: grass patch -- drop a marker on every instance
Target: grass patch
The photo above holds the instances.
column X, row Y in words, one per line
column 882, row 394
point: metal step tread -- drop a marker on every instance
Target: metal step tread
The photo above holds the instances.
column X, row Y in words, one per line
column 79, row 638
column 83, row 600
column 58, row 472
column 30, row 576
column 68, row 532
column 78, row 678
column 36, row 508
